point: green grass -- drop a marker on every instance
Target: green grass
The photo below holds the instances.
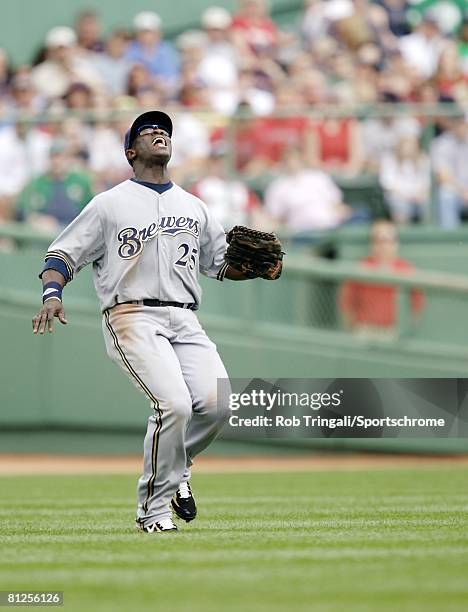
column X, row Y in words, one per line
column 333, row 541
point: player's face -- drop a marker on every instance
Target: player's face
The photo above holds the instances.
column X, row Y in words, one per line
column 153, row 144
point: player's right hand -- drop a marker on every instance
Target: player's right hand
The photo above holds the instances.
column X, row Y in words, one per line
column 50, row 309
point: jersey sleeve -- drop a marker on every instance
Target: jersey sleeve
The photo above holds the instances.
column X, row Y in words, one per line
column 213, row 247
column 79, row 244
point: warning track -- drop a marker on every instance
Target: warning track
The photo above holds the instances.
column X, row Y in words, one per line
column 11, row 464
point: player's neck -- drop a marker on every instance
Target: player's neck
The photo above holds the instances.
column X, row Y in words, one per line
column 155, row 174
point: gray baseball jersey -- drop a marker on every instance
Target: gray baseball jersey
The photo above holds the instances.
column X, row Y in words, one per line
column 144, row 244
column 147, row 245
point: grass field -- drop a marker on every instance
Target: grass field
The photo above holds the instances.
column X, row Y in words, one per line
column 344, row 541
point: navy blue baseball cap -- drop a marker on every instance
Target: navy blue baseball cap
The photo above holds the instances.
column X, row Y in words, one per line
column 149, row 118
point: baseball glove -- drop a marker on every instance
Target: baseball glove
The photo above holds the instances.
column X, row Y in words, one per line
column 255, row 254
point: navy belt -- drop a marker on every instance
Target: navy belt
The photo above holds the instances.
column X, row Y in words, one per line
column 156, row 303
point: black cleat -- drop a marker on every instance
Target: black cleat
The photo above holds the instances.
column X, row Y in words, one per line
column 165, row 524
column 184, row 504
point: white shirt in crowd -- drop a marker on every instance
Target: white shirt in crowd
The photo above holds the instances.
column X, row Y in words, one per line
column 22, row 159
column 380, row 137
column 422, row 53
column 449, row 154
column 106, row 151
column 306, row 200
column 190, row 139
column 406, row 179
column 52, row 80
column 219, row 74
column 228, row 201
column 113, row 71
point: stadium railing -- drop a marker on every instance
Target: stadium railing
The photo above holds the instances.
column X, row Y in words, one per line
column 363, row 191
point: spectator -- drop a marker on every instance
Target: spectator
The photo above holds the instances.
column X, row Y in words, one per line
column 367, row 24
column 405, row 176
column 125, row 109
column 193, row 91
column 230, row 201
column 304, row 199
column 113, row 65
column 449, row 155
column 55, row 198
column 365, row 84
column 398, row 82
column 422, row 48
column 311, row 84
column 260, row 143
column 149, row 97
column 106, row 158
column 23, row 95
column 150, row 50
column 368, row 308
column 273, row 135
column 216, row 22
column 379, row 136
column 24, row 153
column 75, row 134
column 322, row 52
column 63, row 66
column 217, row 69
column 89, row 31
column 450, row 80
column 397, row 16
column 377, row 20
column 319, row 16
column 253, row 30
column 139, row 78
column 336, row 146
column 247, row 137
column 190, row 147
column 251, row 96
column 342, row 67
column 79, row 97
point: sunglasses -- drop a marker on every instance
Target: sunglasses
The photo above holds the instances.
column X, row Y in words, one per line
column 144, row 130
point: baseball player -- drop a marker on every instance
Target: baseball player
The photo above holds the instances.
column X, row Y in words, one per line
column 148, row 239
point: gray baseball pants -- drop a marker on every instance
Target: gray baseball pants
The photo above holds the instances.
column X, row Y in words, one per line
column 169, row 357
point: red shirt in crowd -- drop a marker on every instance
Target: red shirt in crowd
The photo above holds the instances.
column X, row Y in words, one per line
column 277, row 134
column 372, row 304
column 265, row 138
column 334, row 141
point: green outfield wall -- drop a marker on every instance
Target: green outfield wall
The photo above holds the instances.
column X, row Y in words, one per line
column 25, row 23
column 426, row 247
column 287, row 329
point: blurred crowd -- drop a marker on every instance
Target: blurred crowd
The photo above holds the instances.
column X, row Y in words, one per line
column 241, row 90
